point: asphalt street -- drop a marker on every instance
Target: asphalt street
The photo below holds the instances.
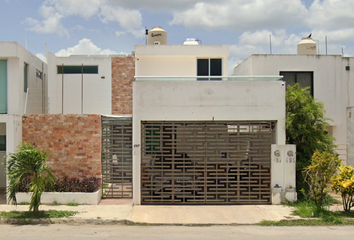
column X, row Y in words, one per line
column 66, row 232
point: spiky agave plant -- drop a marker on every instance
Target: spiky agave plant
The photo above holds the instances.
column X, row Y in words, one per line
column 28, row 162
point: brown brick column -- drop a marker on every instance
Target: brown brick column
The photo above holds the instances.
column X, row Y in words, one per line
column 123, row 72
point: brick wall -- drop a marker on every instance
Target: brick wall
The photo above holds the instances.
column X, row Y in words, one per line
column 123, row 71
column 74, row 142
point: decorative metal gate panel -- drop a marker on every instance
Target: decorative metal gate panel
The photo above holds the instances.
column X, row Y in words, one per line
column 206, row 162
column 117, row 157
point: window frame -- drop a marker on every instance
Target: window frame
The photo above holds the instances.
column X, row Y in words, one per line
column 210, row 68
column 77, row 69
column 296, row 78
column 25, row 76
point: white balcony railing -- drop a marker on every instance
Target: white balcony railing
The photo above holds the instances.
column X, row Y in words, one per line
column 209, row 78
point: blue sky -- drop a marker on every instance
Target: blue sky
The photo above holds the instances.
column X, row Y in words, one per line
column 116, row 26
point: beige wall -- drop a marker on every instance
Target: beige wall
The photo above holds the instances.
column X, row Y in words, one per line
column 176, row 60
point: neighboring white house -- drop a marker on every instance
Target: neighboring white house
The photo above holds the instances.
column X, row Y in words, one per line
column 330, row 80
column 23, row 84
column 80, row 84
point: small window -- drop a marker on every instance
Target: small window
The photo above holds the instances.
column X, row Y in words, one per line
column 209, row 67
column 39, row 74
column 305, row 79
column 25, row 77
column 86, row 69
column 2, row 143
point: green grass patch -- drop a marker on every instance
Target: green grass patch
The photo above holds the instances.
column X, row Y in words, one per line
column 310, row 222
column 314, row 216
column 72, row 204
column 40, row 214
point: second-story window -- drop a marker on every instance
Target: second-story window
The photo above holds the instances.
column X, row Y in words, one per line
column 77, row 69
column 209, row 67
column 305, row 79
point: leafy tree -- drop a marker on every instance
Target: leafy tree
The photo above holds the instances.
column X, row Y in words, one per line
column 319, row 173
column 344, row 183
column 306, row 126
column 28, row 163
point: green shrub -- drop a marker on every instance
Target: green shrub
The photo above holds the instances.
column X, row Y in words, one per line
column 318, row 175
column 343, row 183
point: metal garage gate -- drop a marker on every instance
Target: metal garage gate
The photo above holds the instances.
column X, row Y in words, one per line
column 206, row 162
column 117, row 157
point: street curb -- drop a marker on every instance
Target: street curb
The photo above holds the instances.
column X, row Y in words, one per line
column 46, row 221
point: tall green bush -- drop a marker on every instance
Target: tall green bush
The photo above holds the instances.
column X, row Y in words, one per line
column 306, row 126
column 28, row 163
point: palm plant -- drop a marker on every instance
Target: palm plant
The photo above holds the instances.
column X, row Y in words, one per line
column 28, row 163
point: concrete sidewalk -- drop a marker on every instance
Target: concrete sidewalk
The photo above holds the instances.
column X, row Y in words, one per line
column 199, row 215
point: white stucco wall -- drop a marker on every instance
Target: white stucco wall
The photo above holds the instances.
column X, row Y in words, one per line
column 16, row 56
column 176, row 60
column 204, row 101
column 330, row 86
column 97, row 91
column 13, row 132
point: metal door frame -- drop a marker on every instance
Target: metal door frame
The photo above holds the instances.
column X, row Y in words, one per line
column 116, row 159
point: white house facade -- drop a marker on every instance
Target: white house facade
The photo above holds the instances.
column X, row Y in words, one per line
column 23, row 90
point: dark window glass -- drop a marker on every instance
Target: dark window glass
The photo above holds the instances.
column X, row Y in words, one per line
column 305, row 79
column 25, row 77
column 203, row 67
column 2, row 143
column 39, row 74
column 215, row 67
column 78, row 69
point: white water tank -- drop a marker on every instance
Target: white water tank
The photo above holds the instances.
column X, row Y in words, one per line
column 307, row 47
column 191, row 41
column 157, row 36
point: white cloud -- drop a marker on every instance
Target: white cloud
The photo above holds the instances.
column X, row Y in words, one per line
column 340, row 36
column 119, row 33
column 53, row 11
column 85, row 46
column 331, row 14
column 50, row 24
column 159, row 5
column 130, row 20
column 41, row 57
column 83, row 8
column 242, row 15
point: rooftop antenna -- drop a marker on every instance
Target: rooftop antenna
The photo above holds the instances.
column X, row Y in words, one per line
column 326, row 43
column 342, row 51
column 270, row 43
column 46, row 52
